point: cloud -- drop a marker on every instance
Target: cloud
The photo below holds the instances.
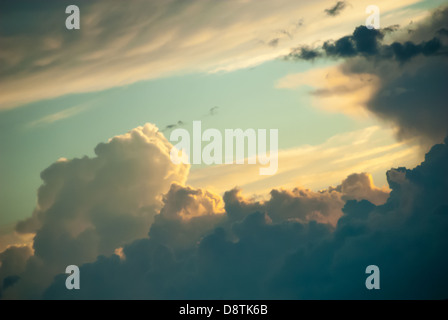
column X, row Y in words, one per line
column 259, row 251
column 376, row 233
column 372, row 149
column 390, row 29
column 299, row 204
column 9, row 237
column 368, row 43
column 60, row 115
column 406, row 76
column 12, row 262
column 186, row 203
column 190, row 212
column 264, row 255
column 97, row 212
column 334, row 89
column 360, row 186
column 92, row 206
column 337, row 8
column 107, row 215
column 303, row 52
column 363, row 42
column 304, row 205
column 119, row 44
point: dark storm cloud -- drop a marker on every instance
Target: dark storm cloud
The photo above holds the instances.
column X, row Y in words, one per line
column 363, row 42
column 337, row 8
column 415, row 100
column 412, row 73
column 202, row 246
column 254, row 251
column 12, row 263
column 368, row 43
column 404, row 52
column 10, row 281
column 304, row 53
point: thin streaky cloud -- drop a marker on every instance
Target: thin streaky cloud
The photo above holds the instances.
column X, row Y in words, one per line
column 60, row 115
column 121, row 55
column 367, row 150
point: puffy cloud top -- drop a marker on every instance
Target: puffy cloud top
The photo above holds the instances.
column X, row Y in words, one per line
column 92, row 206
column 297, row 244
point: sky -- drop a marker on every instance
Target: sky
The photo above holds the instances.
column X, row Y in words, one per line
column 86, row 176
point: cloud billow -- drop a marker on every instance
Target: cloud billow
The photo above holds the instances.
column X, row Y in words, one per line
column 299, row 244
column 254, row 251
column 411, row 73
column 91, row 206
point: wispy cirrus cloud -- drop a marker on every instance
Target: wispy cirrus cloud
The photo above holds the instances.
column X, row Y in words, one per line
column 120, row 44
column 60, row 115
column 316, row 167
